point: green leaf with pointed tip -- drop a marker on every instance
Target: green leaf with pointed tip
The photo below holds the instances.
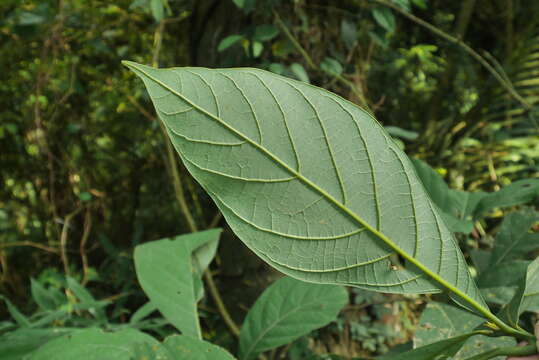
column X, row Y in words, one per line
column 287, row 310
column 299, row 72
column 19, row 317
column 385, row 18
column 309, row 181
column 90, row 344
column 441, row 321
column 47, row 299
column 169, row 272
column 526, row 296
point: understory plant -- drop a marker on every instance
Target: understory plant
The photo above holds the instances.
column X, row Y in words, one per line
column 318, row 189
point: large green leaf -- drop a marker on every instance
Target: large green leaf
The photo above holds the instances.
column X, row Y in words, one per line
column 287, row 310
column 90, row 344
column 169, row 271
column 309, row 181
column 441, row 321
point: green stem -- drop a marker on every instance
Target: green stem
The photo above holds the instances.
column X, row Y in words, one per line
column 507, row 351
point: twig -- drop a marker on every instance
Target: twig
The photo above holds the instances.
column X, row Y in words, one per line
column 82, row 246
column 31, row 244
column 63, row 240
column 474, row 54
column 215, row 221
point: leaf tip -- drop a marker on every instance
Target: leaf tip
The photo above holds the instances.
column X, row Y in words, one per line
column 130, row 64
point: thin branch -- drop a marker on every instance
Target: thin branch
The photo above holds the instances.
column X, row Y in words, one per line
column 63, row 240
column 474, row 54
column 31, row 244
column 82, row 246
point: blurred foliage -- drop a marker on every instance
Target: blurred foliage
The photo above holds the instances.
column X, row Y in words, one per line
column 85, row 169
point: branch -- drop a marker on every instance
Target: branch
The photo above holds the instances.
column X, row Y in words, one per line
column 31, row 244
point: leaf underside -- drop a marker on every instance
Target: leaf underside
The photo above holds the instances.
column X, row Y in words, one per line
column 309, row 181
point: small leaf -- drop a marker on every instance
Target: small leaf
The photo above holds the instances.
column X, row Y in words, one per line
column 331, row 66
column 385, row 18
column 420, row 4
column 277, row 68
column 188, row 348
column 299, row 71
column 349, row 33
column 15, row 313
column 401, row 133
column 246, row 5
column 46, row 299
column 405, row 4
column 228, row 42
column 258, row 47
column 287, row 310
column 265, row 33
column 166, row 272
column 158, row 9
column 85, row 196
column 441, row 321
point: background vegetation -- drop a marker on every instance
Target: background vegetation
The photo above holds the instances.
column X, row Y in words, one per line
column 86, row 173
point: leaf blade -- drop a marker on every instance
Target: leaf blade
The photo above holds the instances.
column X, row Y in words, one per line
column 197, row 106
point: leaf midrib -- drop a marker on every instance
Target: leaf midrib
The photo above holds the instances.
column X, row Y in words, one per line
column 484, row 311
